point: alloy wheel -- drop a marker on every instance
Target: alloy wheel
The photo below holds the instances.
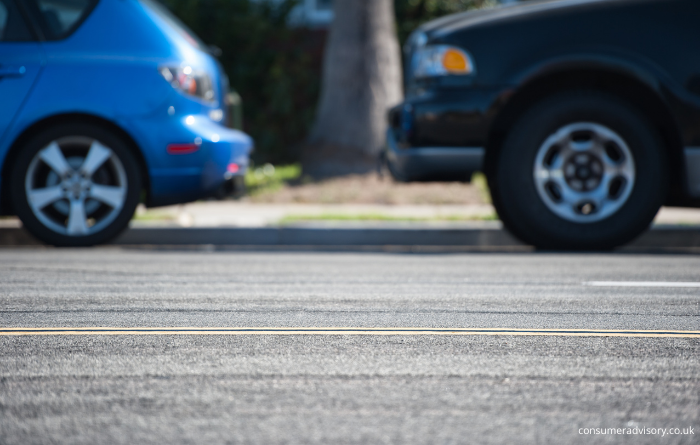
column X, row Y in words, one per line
column 76, row 186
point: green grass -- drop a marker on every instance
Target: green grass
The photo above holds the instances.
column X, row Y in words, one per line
column 290, row 219
column 269, row 178
column 154, row 216
column 479, row 181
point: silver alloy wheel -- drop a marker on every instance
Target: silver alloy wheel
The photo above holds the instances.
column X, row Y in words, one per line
column 76, row 186
column 584, row 172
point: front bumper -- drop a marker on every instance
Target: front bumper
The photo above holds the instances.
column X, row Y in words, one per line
column 441, row 135
column 453, row 117
column 431, row 163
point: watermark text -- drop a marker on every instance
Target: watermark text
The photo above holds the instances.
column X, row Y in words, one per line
column 638, row 430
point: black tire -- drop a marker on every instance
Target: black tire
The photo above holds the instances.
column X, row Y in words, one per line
column 523, row 207
column 120, row 166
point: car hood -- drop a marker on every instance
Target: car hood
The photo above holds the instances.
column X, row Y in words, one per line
column 453, row 22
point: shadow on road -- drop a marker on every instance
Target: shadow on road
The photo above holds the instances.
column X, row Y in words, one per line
column 670, row 239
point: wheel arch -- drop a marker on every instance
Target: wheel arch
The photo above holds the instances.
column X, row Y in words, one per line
column 620, row 83
column 13, row 151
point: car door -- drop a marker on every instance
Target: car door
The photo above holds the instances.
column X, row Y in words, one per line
column 20, row 62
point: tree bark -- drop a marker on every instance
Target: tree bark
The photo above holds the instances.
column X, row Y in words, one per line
column 361, row 80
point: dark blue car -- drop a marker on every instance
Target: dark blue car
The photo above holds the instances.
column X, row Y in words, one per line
column 583, row 114
column 106, row 103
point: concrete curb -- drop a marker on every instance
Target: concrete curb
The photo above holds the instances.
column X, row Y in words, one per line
column 305, row 236
column 672, row 238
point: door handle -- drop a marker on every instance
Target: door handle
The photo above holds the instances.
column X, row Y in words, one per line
column 12, row 71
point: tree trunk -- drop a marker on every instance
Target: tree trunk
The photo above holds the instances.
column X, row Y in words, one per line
column 361, row 80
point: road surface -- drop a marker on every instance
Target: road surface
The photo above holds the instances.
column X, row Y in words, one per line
column 347, row 347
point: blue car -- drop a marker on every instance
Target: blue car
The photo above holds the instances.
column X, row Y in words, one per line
column 105, row 104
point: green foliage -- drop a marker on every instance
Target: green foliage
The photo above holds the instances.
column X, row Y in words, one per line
column 276, row 68
column 291, row 219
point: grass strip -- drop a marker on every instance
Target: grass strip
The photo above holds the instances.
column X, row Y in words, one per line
column 290, row 219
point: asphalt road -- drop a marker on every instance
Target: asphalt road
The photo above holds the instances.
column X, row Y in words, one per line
column 348, row 387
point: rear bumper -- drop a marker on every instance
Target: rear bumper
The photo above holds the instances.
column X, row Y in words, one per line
column 432, row 163
column 179, row 178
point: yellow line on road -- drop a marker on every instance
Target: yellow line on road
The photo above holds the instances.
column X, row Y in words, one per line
column 342, row 331
column 642, row 283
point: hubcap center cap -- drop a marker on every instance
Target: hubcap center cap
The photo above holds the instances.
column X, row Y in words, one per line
column 75, row 186
column 583, row 172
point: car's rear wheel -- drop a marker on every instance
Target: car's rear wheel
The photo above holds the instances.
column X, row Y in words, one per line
column 581, row 170
column 75, row 185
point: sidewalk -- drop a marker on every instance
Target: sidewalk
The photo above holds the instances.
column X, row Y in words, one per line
column 394, row 228
column 242, row 214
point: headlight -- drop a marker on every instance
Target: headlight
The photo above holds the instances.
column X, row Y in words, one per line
column 441, row 60
column 416, row 40
column 188, row 81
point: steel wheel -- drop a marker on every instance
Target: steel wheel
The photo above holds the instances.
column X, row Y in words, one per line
column 579, row 170
column 584, row 172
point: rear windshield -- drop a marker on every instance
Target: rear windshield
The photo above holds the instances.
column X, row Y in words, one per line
column 170, row 20
column 59, row 18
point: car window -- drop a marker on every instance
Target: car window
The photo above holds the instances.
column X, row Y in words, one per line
column 13, row 28
column 59, row 18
